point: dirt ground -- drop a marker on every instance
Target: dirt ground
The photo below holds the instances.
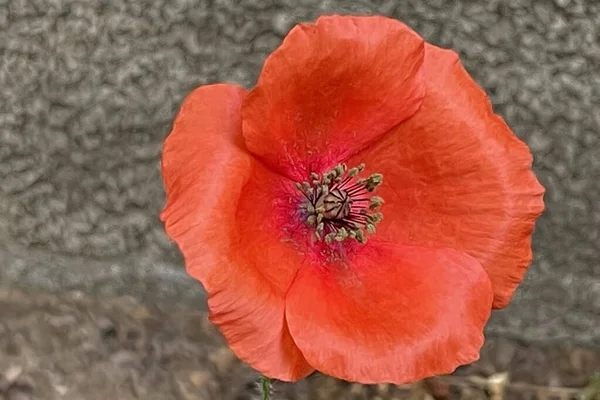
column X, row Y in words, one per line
column 76, row 347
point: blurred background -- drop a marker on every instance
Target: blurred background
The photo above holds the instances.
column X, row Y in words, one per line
column 94, row 300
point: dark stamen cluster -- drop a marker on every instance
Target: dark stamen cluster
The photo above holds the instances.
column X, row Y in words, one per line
column 339, row 206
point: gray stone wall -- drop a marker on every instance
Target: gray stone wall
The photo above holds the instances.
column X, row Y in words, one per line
column 89, row 88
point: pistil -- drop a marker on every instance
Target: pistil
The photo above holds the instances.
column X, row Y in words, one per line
column 339, row 206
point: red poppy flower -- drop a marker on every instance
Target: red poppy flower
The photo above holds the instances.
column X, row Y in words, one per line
column 359, row 212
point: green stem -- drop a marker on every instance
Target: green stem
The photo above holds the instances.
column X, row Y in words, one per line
column 265, row 388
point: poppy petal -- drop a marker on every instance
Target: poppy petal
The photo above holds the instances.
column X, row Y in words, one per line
column 207, row 172
column 456, row 176
column 331, row 88
column 393, row 313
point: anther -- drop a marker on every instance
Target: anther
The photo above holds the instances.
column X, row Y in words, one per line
column 339, row 206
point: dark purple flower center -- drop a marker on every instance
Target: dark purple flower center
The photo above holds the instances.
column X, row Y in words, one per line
column 339, row 205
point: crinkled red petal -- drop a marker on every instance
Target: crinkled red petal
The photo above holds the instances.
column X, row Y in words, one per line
column 455, row 175
column 216, row 196
column 390, row 313
column 331, row 88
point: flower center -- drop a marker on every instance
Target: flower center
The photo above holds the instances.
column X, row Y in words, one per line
column 339, row 205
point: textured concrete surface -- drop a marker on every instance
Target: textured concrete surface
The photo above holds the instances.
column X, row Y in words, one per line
column 89, row 89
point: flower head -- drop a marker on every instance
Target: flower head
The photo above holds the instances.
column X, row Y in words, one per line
column 359, row 212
